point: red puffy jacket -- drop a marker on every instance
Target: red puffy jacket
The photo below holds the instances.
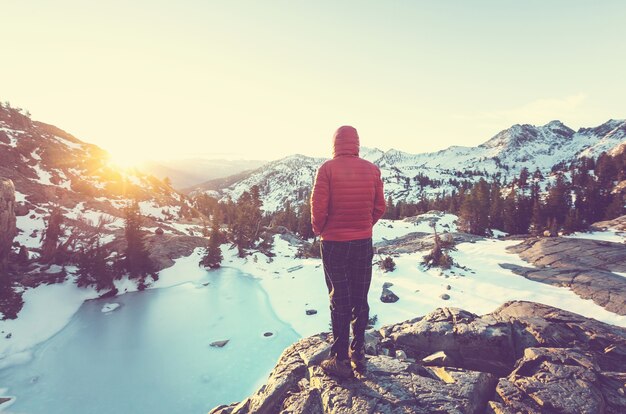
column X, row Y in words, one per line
column 347, row 198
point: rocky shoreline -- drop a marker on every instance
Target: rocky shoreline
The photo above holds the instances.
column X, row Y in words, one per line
column 523, row 357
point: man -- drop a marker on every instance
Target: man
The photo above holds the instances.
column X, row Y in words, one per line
column 347, row 200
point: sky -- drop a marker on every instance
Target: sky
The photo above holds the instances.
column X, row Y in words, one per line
column 153, row 79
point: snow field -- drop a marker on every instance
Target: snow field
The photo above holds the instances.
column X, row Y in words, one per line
column 480, row 287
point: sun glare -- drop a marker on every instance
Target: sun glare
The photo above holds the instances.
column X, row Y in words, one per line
column 124, row 160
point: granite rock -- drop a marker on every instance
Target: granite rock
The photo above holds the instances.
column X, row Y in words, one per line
column 523, row 357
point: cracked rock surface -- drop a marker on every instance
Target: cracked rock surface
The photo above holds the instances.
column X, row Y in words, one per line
column 585, row 266
column 524, row 357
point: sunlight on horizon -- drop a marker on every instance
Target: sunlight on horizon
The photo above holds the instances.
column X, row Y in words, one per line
column 257, row 80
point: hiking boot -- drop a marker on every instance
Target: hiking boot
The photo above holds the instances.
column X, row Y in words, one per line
column 357, row 362
column 337, row 367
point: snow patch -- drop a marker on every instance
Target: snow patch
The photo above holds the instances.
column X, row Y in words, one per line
column 19, row 197
column 608, row 235
column 44, row 176
column 32, row 229
column 68, row 143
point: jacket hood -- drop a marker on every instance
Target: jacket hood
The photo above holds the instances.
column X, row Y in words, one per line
column 346, row 142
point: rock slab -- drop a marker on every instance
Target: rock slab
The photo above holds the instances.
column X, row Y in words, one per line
column 524, row 357
column 585, row 266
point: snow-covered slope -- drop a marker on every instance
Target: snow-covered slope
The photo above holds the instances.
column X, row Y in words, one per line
column 50, row 167
column 287, row 179
column 410, row 176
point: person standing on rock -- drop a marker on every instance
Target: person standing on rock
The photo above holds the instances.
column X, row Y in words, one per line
column 347, row 200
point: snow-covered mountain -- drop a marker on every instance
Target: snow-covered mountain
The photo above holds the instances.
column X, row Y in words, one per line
column 50, row 167
column 410, row 177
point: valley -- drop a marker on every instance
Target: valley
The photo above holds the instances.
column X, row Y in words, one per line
column 57, row 308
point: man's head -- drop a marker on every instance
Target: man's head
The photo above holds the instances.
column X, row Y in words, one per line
column 345, row 141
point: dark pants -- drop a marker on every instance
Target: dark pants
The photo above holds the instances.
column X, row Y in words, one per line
column 348, row 271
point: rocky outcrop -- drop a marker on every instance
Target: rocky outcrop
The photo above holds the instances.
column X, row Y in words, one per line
column 584, row 266
column 419, row 241
column 617, row 224
column 522, row 358
column 165, row 248
column 7, row 222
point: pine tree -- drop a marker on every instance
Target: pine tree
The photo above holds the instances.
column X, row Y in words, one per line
column 93, row 268
column 212, row 258
column 524, row 213
column 247, row 223
column 474, row 214
column 288, row 217
column 509, row 213
column 390, row 210
column 537, row 221
column 496, row 207
column 51, row 235
column 523, row 179
column 304, row 221
column 558, row 200
column 136, row 259
column 605, row 170
column 255, row 193
column 572, row 222
column 615, row 207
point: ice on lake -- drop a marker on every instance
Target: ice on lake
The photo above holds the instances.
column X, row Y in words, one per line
column 153, row 353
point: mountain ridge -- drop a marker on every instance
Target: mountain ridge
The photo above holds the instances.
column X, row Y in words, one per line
column 51, row 168
column 408, row 177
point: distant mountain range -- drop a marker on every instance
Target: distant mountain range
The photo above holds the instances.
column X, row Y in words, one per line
column 410, row 177
column 48, row 165
column 188, row 172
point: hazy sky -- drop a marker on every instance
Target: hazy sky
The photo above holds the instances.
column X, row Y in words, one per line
column 264, row 79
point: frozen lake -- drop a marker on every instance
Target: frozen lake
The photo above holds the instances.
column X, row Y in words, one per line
column 152, row 353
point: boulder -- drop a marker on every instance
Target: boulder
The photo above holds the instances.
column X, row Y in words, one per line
column 387, row 296
column 164, row 249
column 523, row 357
column 21, row 209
